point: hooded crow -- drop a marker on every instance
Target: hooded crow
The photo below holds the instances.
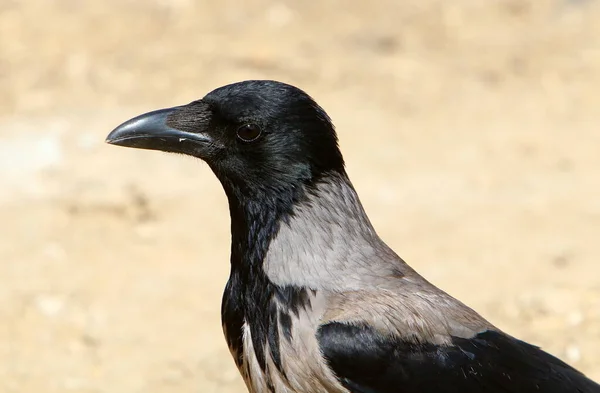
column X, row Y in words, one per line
column 316, row 302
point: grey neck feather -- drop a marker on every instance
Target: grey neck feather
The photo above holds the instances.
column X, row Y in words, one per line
column 329, row 243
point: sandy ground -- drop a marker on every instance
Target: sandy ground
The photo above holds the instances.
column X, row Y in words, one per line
column 471, row 131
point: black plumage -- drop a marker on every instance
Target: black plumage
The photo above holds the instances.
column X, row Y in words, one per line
column 368, row 361
column 316, row 301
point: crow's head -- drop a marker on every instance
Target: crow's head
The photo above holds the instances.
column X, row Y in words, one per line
column 259, row 137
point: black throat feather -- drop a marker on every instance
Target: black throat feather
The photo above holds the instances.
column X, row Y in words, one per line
column 250, row 297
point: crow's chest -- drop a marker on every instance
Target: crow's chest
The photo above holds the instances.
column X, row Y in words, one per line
column 248, row 302
column 270, row 331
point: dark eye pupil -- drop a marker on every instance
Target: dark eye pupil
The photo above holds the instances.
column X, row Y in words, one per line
column 248, row 132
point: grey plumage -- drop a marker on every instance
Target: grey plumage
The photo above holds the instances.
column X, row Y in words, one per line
column 329, row 245
column 316, row 302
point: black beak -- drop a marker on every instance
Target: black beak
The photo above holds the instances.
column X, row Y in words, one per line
column 150, row 131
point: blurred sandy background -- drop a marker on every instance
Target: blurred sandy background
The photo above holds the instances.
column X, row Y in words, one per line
column 471, row 131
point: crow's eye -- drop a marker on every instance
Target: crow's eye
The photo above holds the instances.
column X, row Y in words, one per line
column 248, row 132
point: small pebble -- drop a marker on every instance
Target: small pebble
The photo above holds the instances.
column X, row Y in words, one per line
column 573, row 353
column 575, row 318
column 49, row 305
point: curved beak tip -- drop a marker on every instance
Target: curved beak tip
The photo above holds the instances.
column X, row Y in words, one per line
column 110, row 139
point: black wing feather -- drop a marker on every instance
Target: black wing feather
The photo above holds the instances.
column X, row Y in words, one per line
column 365, row 361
